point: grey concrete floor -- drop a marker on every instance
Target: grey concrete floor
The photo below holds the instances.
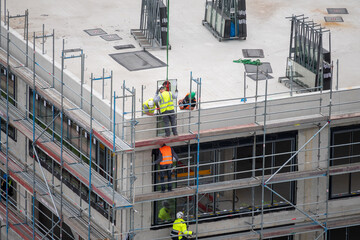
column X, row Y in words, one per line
column 193, row 48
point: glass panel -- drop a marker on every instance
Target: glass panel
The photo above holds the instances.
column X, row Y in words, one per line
column 165, row 211
column 259, row 159
column 243, row 198
column 206, row 169
column 206, row 204
column 341, row 153
column 354, row 233
column 356, row 147
column 340, row 185
column 285, row 148
column 102, row 160
column 244, row 162
column 226, row 168
column 182, row 169
column 224, row 201
column 336, row 234
column 181, row 205
column 258, row 197
column 284, row 190
column 355, row 183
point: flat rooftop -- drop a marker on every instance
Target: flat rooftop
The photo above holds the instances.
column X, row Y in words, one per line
column 193, row 47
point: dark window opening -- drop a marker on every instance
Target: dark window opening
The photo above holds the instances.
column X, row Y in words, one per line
column 345, row 150
column 226, row 161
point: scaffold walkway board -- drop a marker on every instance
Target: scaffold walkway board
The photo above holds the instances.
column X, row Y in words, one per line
column 161, row 140
column 18, row 223
column 24, row 176
column 288, row 230
column 259, row 126
column 72, row 163
column 73, row 111
column 246, row 183
column 234, row 129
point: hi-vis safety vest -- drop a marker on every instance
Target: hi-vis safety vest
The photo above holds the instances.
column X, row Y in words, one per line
column 150, row 110
column 166, row 155
column 180, row 228
column 166, row 101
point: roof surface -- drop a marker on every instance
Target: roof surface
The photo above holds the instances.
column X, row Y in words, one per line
column 193, row 47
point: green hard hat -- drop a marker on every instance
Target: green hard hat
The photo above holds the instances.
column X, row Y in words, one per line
column 192, row 94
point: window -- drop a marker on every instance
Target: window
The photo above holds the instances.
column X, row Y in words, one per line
column 75, row 138
column 11, row 129
column 347, row 233
column 72, row 182
column 232, row 160
column 345, row 149
column 12, row 84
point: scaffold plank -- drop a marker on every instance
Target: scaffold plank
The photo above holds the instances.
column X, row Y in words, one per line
column 161, row 140
column 81, row 170
column 70, row 212
column 247, row 182
column 288, row 230
column 54, row 97
column 17, row 224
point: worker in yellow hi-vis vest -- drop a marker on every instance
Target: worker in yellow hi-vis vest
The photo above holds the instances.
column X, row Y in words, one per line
column 180, row 229
column 165, row 159
column 165, row 101
column 149, row 107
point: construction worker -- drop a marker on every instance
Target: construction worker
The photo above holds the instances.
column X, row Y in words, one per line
column 185, row 102
column 165, row 159
column 3, row 187
column 180, row 229
column 165, row 101
column 167, row 85
column 165, row 213
column 149, row 107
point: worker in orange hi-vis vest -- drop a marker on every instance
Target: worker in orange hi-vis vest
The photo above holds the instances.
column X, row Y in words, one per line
column 165, row 159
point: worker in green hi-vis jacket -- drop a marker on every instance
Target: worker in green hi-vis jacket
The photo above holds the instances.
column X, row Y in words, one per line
column 165, row 212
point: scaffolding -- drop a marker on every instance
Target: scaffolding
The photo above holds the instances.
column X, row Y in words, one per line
column 198, row 179
column 33, row 184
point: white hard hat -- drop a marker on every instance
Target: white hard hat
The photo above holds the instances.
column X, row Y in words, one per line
column 179, row 215
column 151, row 104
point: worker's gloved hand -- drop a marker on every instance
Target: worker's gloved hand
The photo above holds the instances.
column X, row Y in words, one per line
column 193, row 235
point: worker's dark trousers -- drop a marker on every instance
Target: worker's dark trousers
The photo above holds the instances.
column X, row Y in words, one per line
column 170, row 117
column 165, row 169
column 177, row 238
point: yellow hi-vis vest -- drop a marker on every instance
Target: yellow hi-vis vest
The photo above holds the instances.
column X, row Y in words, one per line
column 166, row 101
column 179, row 226
column 151, row 110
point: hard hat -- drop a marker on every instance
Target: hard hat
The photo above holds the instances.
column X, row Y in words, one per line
column 165, row 204
column 161, row 87
column 151, row 103
column 193, row 94
column 180, row 215
column 4, row 176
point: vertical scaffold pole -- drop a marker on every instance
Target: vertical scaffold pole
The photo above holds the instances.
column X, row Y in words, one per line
column 329, row 154
column 111, row 92
column 0, row 45
column 61, row 140
column 34, row 94
column 27, row 36
column 7, row 132
column 263, row 158
column 198, row 160
column 90, row 164
column 82, row 79
column 53, row 60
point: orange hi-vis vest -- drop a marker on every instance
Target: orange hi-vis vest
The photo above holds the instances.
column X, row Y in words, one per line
column 166, row 155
